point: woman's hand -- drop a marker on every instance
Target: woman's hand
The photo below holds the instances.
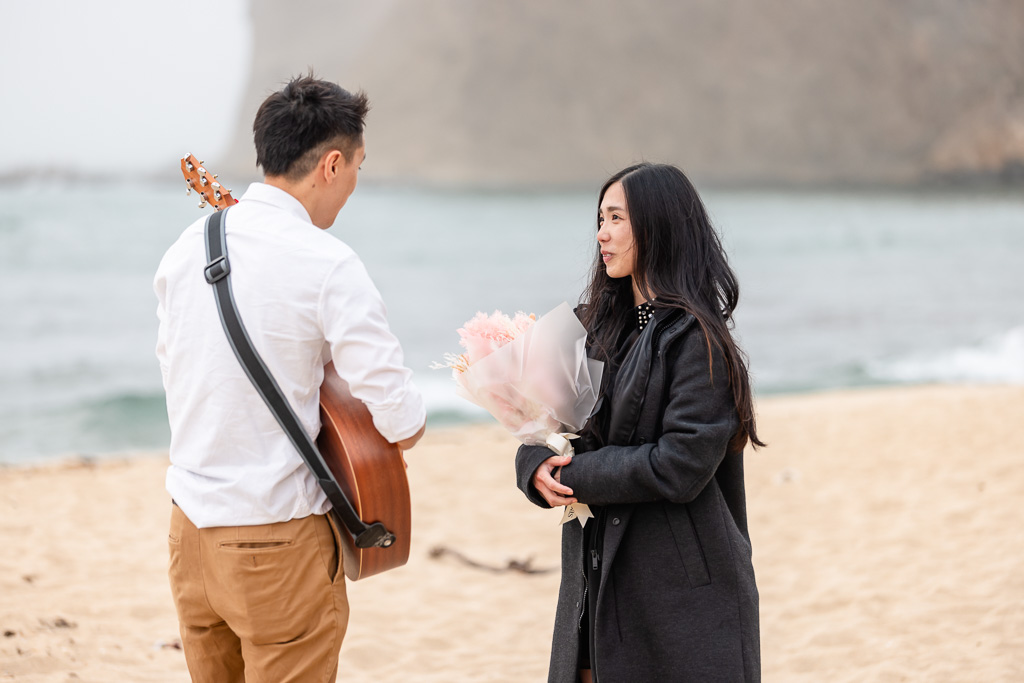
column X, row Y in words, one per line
column 546, row 480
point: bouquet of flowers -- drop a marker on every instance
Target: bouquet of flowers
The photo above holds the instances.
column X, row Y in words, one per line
column 532, row 375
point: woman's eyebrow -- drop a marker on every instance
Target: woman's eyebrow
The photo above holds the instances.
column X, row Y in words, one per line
column 614, row 208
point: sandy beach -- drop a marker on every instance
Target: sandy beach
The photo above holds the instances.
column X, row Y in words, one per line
column 887, row 526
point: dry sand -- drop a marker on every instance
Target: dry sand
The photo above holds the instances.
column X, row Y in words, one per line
column 887, row 528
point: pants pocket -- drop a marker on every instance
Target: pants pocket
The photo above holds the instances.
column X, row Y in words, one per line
column 174, row 528
column 268, row 581
column 688, row 546
column 331, row 547
column 254, row 545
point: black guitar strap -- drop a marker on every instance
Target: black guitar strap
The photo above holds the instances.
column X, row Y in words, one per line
column 216, row 272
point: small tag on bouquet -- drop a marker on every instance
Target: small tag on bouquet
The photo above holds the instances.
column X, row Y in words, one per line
column 560, row 444
column 580, row 511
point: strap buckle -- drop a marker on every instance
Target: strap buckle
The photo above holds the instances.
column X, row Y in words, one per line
column 375, row 536
column 216, row 270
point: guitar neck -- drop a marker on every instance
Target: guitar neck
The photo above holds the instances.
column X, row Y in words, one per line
column 210, row 191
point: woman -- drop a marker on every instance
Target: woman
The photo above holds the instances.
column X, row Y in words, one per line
column 659, row 586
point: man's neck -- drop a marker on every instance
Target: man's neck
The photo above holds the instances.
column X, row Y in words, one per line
column 301, row 190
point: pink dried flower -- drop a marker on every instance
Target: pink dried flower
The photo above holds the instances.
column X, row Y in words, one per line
column 534, row 384
column 483, row 333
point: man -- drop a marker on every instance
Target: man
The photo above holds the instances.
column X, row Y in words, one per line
column 255, row 564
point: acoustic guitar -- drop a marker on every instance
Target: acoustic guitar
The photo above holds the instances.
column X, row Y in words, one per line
column 369, row 469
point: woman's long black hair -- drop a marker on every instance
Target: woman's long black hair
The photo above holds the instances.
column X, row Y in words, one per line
column 680, row 263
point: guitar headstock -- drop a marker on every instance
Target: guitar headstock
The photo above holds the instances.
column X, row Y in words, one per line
column 202, row 181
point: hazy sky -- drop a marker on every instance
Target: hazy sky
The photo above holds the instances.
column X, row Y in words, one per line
column 89, row 84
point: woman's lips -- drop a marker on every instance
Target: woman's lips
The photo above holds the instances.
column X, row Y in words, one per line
column 606, row 256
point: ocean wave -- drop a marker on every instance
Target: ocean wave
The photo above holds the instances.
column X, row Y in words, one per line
column 999, row 359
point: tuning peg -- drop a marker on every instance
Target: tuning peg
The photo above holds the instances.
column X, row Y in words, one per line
column 188, row 189
column 216, row 175
column 201, row 162
column 188, row 165
column 217, row 195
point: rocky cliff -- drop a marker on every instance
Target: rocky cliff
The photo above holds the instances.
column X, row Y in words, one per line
column 751, row 92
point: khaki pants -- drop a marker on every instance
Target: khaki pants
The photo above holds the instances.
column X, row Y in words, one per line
column 260, row 603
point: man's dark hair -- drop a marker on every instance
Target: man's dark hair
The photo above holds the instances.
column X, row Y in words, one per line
column 297, row 125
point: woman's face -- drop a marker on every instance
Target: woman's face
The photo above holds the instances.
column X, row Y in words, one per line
column 614, row 234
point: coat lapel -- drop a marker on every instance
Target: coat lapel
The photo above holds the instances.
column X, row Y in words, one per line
column 629, row 390
column 631, row 386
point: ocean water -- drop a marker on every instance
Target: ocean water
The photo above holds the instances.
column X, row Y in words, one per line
column 837, row 290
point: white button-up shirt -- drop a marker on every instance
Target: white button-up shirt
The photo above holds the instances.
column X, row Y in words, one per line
column 305, row 299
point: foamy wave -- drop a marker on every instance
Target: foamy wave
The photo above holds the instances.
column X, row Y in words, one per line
column 997, row 360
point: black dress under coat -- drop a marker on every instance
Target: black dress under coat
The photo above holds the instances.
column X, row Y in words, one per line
column 677, row 599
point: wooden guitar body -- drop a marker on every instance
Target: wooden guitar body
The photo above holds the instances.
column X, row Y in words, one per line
column 371, row 472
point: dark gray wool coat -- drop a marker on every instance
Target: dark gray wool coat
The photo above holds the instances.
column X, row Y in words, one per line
column 677, row 599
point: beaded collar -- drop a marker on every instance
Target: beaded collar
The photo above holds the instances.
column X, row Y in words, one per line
column 644, row 312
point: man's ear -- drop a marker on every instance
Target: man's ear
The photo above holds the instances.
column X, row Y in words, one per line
column 334, row 161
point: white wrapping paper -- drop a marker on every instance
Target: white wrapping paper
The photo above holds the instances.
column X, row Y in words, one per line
column 539, row 384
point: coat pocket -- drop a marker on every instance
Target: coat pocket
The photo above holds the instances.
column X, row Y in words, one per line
column 691, row 554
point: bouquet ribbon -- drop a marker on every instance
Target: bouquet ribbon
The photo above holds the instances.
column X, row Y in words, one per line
column 560, row 444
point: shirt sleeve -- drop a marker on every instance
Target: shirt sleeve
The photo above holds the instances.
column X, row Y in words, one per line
column 160, row 287
column 365, row 352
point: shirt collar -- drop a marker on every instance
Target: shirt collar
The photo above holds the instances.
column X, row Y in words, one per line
column 275, row 196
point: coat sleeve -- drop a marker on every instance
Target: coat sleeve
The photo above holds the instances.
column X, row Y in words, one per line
column 528, row 459
column 698, row 421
